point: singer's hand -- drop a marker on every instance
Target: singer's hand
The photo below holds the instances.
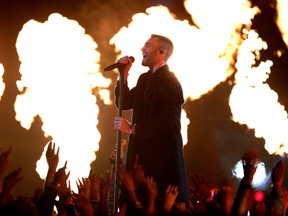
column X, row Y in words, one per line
column 122, row 124
column 127, row 63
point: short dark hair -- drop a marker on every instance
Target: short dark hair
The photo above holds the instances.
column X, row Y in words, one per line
column 164, row 43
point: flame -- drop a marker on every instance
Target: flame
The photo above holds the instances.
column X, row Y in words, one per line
column 59, row 68
column 253, row 102
column 2, row 84
column 204, row 54
column 282, row 18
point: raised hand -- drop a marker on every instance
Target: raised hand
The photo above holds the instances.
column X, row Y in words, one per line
column 12, row 179
column 244, row 196
column 226, row 195
column 9, row 182
column 278, row 196
column 126, row 179
column 201, row 187
column 199, row 194
column 5, row 158
column 170, row 198
column 95, row 182
column 60, row 178
column 138, row 172
column 52, row 157
column 83, row 198
column 250, row 161
column 84, row 188
column 151, row 187
column 152, row 193
column 65, row 197
column 277, row 175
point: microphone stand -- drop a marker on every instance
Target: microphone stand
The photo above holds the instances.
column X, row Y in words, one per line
column 116, row 189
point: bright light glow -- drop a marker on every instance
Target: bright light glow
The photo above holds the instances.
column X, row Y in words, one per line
column 260, row 177
column 2, row 84
column 185, row 122
column 59, row 68
column 259, row 196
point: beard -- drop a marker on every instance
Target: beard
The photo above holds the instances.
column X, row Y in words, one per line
column 148, row 61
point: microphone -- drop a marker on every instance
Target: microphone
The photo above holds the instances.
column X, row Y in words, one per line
column 117, row 65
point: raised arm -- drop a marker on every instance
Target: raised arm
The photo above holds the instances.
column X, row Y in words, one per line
column 277, row 197
column 244, row 196
column 5, row 158
column 152, row 194
column 9, row 182
column 83, row 198
column 52, row 158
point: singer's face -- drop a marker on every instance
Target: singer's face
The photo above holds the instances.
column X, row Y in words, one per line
column 150, row 52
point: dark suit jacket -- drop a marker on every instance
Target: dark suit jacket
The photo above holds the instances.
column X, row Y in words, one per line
column 157, row 101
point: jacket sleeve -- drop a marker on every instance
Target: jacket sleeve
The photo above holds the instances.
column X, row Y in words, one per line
column 127, row 96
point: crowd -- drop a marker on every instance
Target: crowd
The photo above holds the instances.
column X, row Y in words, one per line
column 139, row 195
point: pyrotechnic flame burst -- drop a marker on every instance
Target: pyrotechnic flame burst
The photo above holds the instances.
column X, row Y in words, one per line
column 59, row 68
column 282, row 18
column 253, row 102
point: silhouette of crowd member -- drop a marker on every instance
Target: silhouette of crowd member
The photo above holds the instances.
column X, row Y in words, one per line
column 244, row 196
column 10, row 204
column 140, row 194
column 156, row 101
column 88, row 200
column 278, row 195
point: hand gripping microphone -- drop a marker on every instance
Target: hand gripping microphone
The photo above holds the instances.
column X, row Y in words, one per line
column 117, row 65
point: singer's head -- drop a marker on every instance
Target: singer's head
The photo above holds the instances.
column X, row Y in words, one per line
column 164, row 45
column 156, row 51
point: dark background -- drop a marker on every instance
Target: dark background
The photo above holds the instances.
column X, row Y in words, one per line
column 216, row 143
